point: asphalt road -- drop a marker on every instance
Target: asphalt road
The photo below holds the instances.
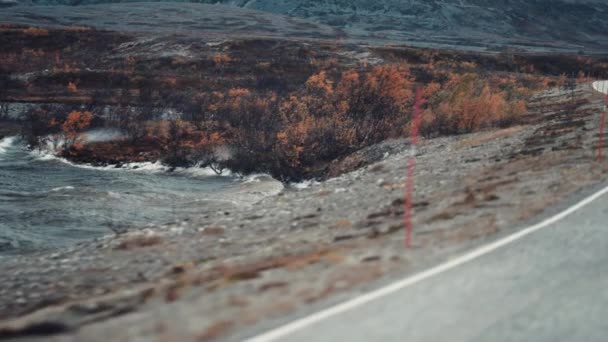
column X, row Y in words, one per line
column 548, row 285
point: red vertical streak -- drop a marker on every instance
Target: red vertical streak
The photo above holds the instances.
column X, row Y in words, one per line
column 602, row 122
column 411, row 167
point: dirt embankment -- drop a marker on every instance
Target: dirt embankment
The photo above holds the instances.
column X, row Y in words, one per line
column 221, row 274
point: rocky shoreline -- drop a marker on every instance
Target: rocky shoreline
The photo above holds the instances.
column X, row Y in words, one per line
column 218, row 276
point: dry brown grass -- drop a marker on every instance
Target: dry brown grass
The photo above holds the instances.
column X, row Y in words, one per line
column 36, row 32
column 214, row 331
column 487, row 137
column 139, row 241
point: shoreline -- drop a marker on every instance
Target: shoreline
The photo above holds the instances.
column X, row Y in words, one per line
column 47, row 184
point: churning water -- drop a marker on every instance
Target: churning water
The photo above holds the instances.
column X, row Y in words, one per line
column 46, row 202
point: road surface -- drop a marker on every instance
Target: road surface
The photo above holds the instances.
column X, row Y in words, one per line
column 548, row 283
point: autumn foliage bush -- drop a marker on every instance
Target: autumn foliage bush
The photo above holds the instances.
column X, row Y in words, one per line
column 44, row 125
column 467, row 103
column 295, row 135
column 261, row 105
column 183, row 144
column 330, row 118
column 37, row 124
column 72, row 128
column 334, row 114
column 291, row 132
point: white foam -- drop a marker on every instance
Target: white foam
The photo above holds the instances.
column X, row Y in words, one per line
column 150, row 167
column 153, row 167
column 5, row 143
column 45, row 155
column 304, row 184
column 61, row 188
column 256, row 178
column 262, row 184
column 197, row 171
column 49, row 154
column 113, row 194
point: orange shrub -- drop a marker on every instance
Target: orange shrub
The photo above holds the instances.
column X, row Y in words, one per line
column 36, row 31
column 78, row 29
column 77, row 121
column 221, row 59
column 72, row 87
column 331, row 117
column 319, row 84
column 171, row 81
column 468, row 103
column 74, row 124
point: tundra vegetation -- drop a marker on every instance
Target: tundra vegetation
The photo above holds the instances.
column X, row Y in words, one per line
column 281, row 107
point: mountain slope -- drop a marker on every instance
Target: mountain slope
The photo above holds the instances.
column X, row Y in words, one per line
column 209, row 22
column 557, row 22
column 566, row 25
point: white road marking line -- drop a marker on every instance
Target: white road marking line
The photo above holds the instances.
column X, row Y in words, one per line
column 304, row 322
column 601, row 86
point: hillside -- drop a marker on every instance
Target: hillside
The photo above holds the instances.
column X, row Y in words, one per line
column 475, row 24
column 312, row 114
column 208, row 22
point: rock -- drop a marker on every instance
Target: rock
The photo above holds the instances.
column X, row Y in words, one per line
column 214, row 230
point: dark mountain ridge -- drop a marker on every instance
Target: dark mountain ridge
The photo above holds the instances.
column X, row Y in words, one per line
column 546, row 25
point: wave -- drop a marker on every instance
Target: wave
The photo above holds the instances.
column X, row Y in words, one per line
column 44, row 155
column 151, row 167
column 47, row 155
column 260, row 184
column 49, row 152
column 257, row 177
column 61, row 188
column 6, row 143
column 19, row 196
column 198, row 171
column 304, row 184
